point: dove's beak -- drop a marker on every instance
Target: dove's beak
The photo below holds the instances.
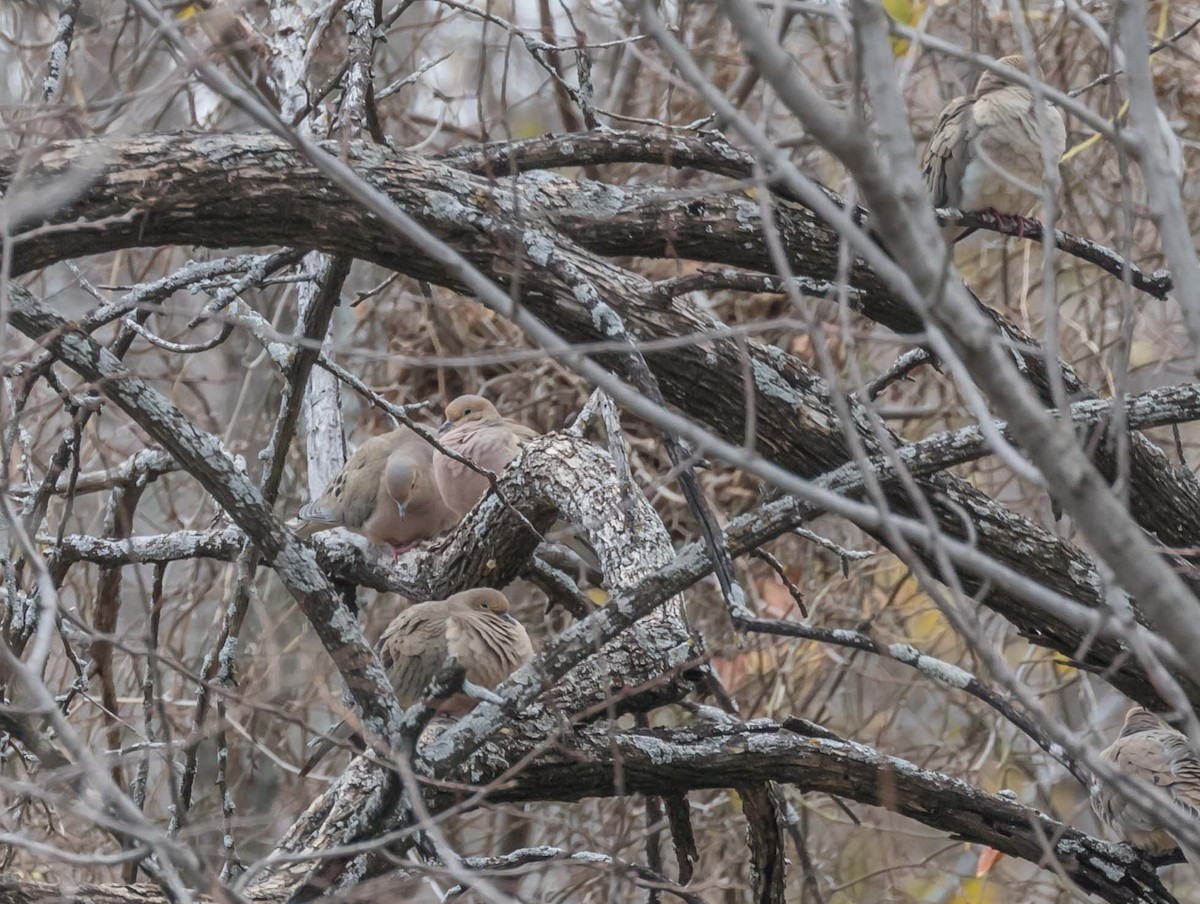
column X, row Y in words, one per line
column 446, row 425
column 507, row 616
column 402, row 507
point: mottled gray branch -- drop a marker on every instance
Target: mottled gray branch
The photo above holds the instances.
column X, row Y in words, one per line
column 815, row 760
column 205, row 458
column 145, row 465
column 60, row 50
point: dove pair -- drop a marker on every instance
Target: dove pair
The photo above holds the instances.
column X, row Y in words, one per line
column 986, row 151
column 398, row 490
column 473, row 628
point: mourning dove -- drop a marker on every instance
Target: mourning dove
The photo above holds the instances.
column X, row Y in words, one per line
column 386, row 493
column 473, row 627
column 1152, row 751
column 476, row 431
column 986, row 149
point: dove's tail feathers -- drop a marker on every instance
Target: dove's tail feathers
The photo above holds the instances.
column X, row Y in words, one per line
column 315, row 519
column 305, row 529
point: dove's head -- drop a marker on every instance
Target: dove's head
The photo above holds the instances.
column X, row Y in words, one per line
column 468, row 409
column 401, row 478
column 479, row 601
column 991, row 81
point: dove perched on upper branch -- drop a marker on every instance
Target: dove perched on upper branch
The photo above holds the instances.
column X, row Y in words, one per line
column 986, row 149
column 1150, row 750
column 386, row 493
column 476, row 431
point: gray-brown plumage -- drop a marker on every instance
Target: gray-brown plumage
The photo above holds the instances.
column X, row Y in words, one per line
column 473, row 627
column 986, row 149
column 1150, row 750
column 386, row 493
column 476, row 431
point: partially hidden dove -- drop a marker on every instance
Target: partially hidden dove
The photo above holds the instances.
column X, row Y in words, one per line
column 473, row 627
column 386, row 493
column 476, row 431
column 1150, row 750
column 986, row 149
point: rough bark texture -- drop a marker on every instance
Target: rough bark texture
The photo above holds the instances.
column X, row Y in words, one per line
column 655, row 761
column 226, row 190
column 811, row 759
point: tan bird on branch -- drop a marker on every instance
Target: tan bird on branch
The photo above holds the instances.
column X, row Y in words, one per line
column 474, row 628
column 1150, row 750
column 386, row 493
column 985, row 153
column 476, row 431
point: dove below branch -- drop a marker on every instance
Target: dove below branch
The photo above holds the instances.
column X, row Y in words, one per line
column 475, row 628
column 1150, row 750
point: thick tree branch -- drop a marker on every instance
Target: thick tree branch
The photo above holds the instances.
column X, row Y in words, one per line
column 170, row 182
column 205, row 458
column 799, row 753
column 710, row 152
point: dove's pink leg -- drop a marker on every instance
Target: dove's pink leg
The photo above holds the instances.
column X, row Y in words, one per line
column 398, row 551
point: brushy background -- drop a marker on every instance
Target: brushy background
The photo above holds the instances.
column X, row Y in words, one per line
column 414, row 343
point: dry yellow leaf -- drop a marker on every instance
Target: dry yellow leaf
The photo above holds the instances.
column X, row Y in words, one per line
column 906, row 12
column 977, row 891
column 1062, row 668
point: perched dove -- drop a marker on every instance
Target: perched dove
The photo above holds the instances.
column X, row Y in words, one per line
column 476, row 431
column 986, row 149
column 1154, row 752
column 473, row 627
column 386, row 493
